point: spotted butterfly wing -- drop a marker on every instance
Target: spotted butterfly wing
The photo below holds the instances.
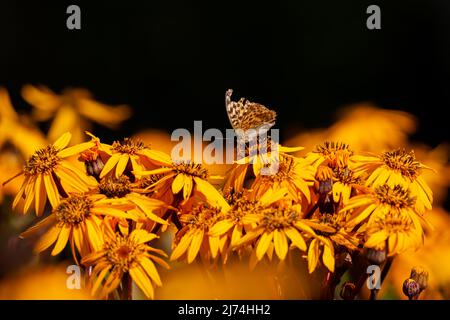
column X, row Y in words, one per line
column 245, row 115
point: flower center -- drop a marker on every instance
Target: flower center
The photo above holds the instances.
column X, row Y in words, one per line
column 42, row 161
column 73, row 210
column 128, row 145
column 202, row 217
column 393, row 222
column 402, row 161
column 123, row 252
column 275, row 218
column 115, row 187
column 346, row 176
column 191, row 169
column 285, row 168
column 396, row 196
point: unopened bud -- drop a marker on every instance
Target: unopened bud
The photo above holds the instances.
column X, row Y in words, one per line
column 420, row 275
column 411, row 288
column 94, row 167
column 347, row 291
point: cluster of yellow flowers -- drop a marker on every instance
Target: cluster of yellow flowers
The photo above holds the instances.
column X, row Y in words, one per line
column 110, row 202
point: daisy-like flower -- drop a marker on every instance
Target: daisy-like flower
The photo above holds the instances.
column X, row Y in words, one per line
column 76, row 220
column 332, row 154
column 394, row 232
column 277, row 228
column 397, row 167
column 49, row 175
column 184, row 178
column 122, row 191
column 294, row 174
column 193, row 238
column 237, row 174
column 242, row 215
column 134, row 155
column 331, row 232
column 379, row 202
column 126, row 254
column 72, row 110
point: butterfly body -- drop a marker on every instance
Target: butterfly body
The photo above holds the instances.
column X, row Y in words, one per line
column 247, row 118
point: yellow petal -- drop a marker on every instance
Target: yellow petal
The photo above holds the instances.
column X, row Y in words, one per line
column 212, row 195
column 263, row 244
column 110, row 164
column 376, row 238
column 296, row 238
column 150, row 269
column 62, row 141
column 121, row 164
column 142, row 281
column 52, row 190
column 40, row 196
column 47, row 239
column 281, row 245
column 182, row 246
column 62, row 240
column 221, row 227
column 328, row 257
column 313, row 255
column 197, row 240
column 71, row 151
column 178, row 183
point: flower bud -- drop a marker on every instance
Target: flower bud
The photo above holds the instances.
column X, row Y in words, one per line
column 411, row 289
column 420, row 275
column 347, row 291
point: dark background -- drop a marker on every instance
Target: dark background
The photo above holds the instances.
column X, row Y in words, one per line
column 173, row 60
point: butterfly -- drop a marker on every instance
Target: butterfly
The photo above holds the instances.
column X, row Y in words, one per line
column 248, row 119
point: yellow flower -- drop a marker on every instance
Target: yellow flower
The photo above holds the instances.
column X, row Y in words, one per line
column 294, row 174
column 72, row 110
column 277, row 228
column 184, row 178
column 237, row 174
column 132, row 154
column 397, row 167
column 77, row 219
column 121, row 191
column 379, row 202
column 193, row 238
column 126, row 254
column 242, row 216
column 49, row 175
column 332, row 154
column 395, row 232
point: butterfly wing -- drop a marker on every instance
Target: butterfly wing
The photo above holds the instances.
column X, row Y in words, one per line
column 245, row 115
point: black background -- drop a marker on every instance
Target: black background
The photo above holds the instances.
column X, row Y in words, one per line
column 173, row 60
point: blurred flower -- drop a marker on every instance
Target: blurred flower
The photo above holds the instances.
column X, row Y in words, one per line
column 366, row 127
column 47, row 174
column 41, row 283
column 126, row 254
column 14, row 129
column 71, row 111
